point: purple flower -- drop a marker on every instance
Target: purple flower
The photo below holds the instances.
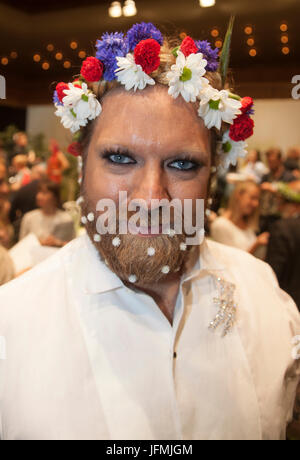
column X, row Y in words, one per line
column 250, row 112
column 209, row 54
column 108, row 48
column 142, row 31
column 56, row 99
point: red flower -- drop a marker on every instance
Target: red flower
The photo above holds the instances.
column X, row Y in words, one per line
column 247, row 103
column 188, row 46
column 146, row 54
column 77, row 83
column 242, row 128
column 75, row 149
column 60, row 87
column 92, row 69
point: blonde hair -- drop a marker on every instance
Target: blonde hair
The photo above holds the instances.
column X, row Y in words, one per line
column 253, row 220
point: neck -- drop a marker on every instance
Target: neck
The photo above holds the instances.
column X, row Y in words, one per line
column 49, row 211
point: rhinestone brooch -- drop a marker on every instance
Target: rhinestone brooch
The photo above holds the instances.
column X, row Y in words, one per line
column 226, row 315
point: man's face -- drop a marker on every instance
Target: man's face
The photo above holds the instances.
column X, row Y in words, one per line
column 150, row 146
column 274, row 161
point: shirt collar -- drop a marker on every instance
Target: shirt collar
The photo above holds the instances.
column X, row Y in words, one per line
column 99, row 278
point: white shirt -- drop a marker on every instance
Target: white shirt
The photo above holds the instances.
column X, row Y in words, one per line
column 88, row 358
column 226, row 232
column 59, row 225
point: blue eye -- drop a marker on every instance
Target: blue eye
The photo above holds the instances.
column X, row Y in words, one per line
column 120, row 159
column 184, row 165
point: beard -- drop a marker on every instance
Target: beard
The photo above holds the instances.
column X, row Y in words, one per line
column 139, row 259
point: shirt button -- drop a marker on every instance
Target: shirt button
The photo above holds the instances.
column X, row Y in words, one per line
column 174, row 355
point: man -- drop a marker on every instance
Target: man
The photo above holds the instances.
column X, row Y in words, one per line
column 284, row 245
column 135, row 334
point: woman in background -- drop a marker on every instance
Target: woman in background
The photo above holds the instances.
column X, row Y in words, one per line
column 238, row 224
column 51, row 225
column 254, row 169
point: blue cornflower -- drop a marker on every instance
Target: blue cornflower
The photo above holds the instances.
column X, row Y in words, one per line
column 109, row 47
column 211, row 55
column 56, row 99
column 142, row 31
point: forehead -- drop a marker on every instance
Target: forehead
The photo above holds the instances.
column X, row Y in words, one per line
column 150, row 118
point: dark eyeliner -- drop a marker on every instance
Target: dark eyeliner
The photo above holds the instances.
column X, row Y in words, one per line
column 107, row 153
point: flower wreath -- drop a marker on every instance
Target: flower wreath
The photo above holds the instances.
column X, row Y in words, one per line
column 131, row 60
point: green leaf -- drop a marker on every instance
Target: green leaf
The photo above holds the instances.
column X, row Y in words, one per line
column 84, row 97
column 226, row 147
column 73, row 113
column 225, row 53
column 175, row 51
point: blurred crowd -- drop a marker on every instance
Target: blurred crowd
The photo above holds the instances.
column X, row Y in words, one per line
column 254, row 207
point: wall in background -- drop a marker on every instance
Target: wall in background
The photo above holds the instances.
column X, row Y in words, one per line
column 277, row 123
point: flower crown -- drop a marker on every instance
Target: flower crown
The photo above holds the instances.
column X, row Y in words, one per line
column 132, row 59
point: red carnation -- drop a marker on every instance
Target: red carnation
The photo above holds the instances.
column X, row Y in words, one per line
column 92, row 69
column 242, row 128
column 146, row 54
column 188, row 46
column 60, row 87
column 77, row 83
column 247, row 103
column 74, row 149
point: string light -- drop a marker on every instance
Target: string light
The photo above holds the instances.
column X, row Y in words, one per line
column 285, row 50
column 67, row 64
column 248, row 30
column 284, row 39
column 74, row 45
column 218, row 43
column 283, row 27
column 129, row 8
column 115, row 10
column 45, row 65
column 36, row 57
column 252, row 52
column 250, row 41
column 214, row 32
column 14, row 55
column 50, row 47
column 58, row 56
column 82, row 54
column 4, row 61
column 207, row 3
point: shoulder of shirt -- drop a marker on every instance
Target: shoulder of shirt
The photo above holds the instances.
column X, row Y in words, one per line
column 33, row 213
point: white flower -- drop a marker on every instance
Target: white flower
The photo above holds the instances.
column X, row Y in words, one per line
column 217, row 106
column 69, row 118
column 79, row 106
column 132, row 278
column 186, row 76
column 151, row 251
column 116, row 241
column 131, row 74
column 165, row 269
column 231, row 150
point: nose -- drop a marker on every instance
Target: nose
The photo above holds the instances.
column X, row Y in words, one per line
column 150, row 184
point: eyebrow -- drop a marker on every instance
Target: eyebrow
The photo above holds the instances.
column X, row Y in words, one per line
column 191, row 154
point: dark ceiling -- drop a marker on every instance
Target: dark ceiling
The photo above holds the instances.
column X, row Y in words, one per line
column 27, row 27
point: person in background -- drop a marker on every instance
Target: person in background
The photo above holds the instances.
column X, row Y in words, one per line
column 57, row 163
column 51, row 225
column 238, row 224
column 3, row 170
column 254, row 169
column 23, row 173
column 6, row 229
column 284, row 245
column 7, row 270
column 278, row 173
column 24, row 200
column 292, row 162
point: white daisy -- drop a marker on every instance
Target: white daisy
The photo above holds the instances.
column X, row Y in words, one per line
column 97, row 238
column 186, row 76
column 165, row 269
column 69, row 118
column 150, row 251
column 116, row 241
column 231, row 150
column 84, row 220
column 91, row 217
column 182, row 246
column 132, row 278
column 217, row 106
column 131, row 74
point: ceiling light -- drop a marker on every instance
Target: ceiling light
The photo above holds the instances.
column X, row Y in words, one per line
column 4, row 61
column 285, row 50
column 59, row 56
column 248, row 30
column 67, row 64
column 82, row 54
column 74, row 45
column 253, row 52
column 115, row 10
column 45, row 65
column 214, row 32
column 284, row 39
column 37, row 58
column 283, row 27
column 206, row 3
column 50, row 47
column 250, row 41
column 129, row 8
